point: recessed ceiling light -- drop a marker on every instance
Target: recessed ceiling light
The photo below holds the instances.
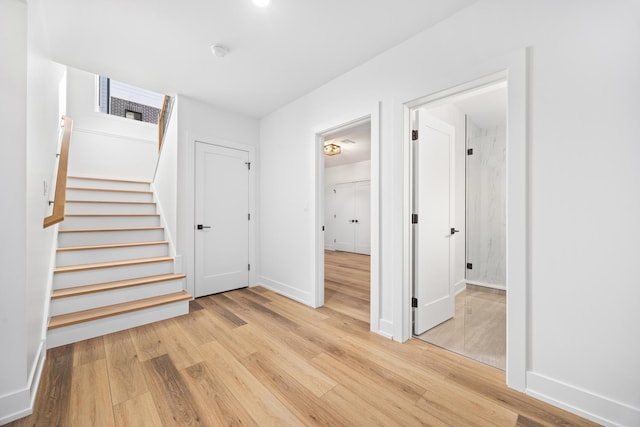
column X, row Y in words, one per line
column 219, row 50
column 261, row 3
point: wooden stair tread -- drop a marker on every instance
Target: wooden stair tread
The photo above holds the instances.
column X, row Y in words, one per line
column 110, row 190
column 118, row 284
column 117, row 202
column 83, row 267
column 90, row 230
column 112, row 310
column 108, row 179
column 112, row 245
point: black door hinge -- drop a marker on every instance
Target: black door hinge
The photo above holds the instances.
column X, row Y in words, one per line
column 414, row 218
column 248, row 267
column 469, row 151
column 248, row 165
column 323, row 228
column 414, row 135
column 469, row 266
column 414, row 302
column 249, row 216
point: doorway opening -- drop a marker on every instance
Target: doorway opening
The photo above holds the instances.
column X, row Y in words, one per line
column 461, row 308
column 346, row 191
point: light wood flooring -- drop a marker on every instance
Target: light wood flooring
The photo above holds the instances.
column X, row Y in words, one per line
column 478, row 330
column 252, row 357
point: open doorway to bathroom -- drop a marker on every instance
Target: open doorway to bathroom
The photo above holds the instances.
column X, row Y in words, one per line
column 478, row 326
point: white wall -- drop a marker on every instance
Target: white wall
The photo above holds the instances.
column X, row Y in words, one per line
column 352, row 172
column 14, row 396
column 582, row 202
column 165, row 181
column 103, row 145
column 199, row 121
column 46, row 93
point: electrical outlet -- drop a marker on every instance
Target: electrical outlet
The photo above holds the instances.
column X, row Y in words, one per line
column 45, row 188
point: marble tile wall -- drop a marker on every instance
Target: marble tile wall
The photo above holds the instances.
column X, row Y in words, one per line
column 486, row 205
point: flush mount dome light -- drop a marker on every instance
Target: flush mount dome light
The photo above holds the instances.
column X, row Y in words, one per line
column 332, row 149
column 261, row 3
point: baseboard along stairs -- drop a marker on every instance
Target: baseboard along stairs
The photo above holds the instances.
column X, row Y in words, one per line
column 113, row 268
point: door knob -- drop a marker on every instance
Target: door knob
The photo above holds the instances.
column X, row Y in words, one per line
column 454, row 231
column 200, row 226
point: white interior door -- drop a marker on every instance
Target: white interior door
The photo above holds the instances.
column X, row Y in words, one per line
column 343, row 217
column 222, row 208
column 362, row 216
column 434, row 247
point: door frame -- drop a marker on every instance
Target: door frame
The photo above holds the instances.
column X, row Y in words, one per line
column 371, row 114
column 252, row 205
column 514, row 71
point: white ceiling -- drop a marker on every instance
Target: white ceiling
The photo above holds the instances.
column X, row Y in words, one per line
column 354, row 142
column 276, row 54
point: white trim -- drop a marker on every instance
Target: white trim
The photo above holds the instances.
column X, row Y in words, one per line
column 487, row 285
column 114, row 135
column 288, row 291
column 371, row 114
column 167, row 231
column 513, row 67
column 571, row 398
column 386, row 328
column 459, row 287
column 20, row 403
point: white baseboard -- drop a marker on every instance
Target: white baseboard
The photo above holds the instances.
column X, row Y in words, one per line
column 459, row 287
column 486, row 285
column 386, row 329
column 18, row 404
column 285, row 290
column 589, row 405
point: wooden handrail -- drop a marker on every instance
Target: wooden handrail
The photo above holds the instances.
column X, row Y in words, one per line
column 161, row 123
column 60, row 197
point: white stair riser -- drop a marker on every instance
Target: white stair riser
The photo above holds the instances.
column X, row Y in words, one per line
column 90, row 256
column 117, row 296
column 110, row 274
column 95, row 328
column 109, row 185
column 108, row 208
column 108, row 196
column 89, row 238
column 76, row 222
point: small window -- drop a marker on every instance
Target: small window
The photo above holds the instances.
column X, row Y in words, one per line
column 133, row 115
column 131, row 102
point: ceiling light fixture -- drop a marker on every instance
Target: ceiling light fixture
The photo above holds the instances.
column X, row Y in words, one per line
column 219, row 50
column 261, row 3
column 332, row 149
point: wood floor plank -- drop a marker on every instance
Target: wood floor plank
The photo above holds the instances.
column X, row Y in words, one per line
column 171, row 395
column 139, row 411
column 270, row 348
column 88, row 351
column 183, row 352
column 147, row 342
column 298, row 398
column 90, row 397
column 253, row 357
column 214, row 400
column 260, row 402
column 126, row 377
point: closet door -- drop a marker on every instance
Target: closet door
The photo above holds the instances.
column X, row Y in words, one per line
column 362, row 216
column 343, row 217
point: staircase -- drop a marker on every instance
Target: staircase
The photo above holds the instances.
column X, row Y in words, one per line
column 113, row 269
